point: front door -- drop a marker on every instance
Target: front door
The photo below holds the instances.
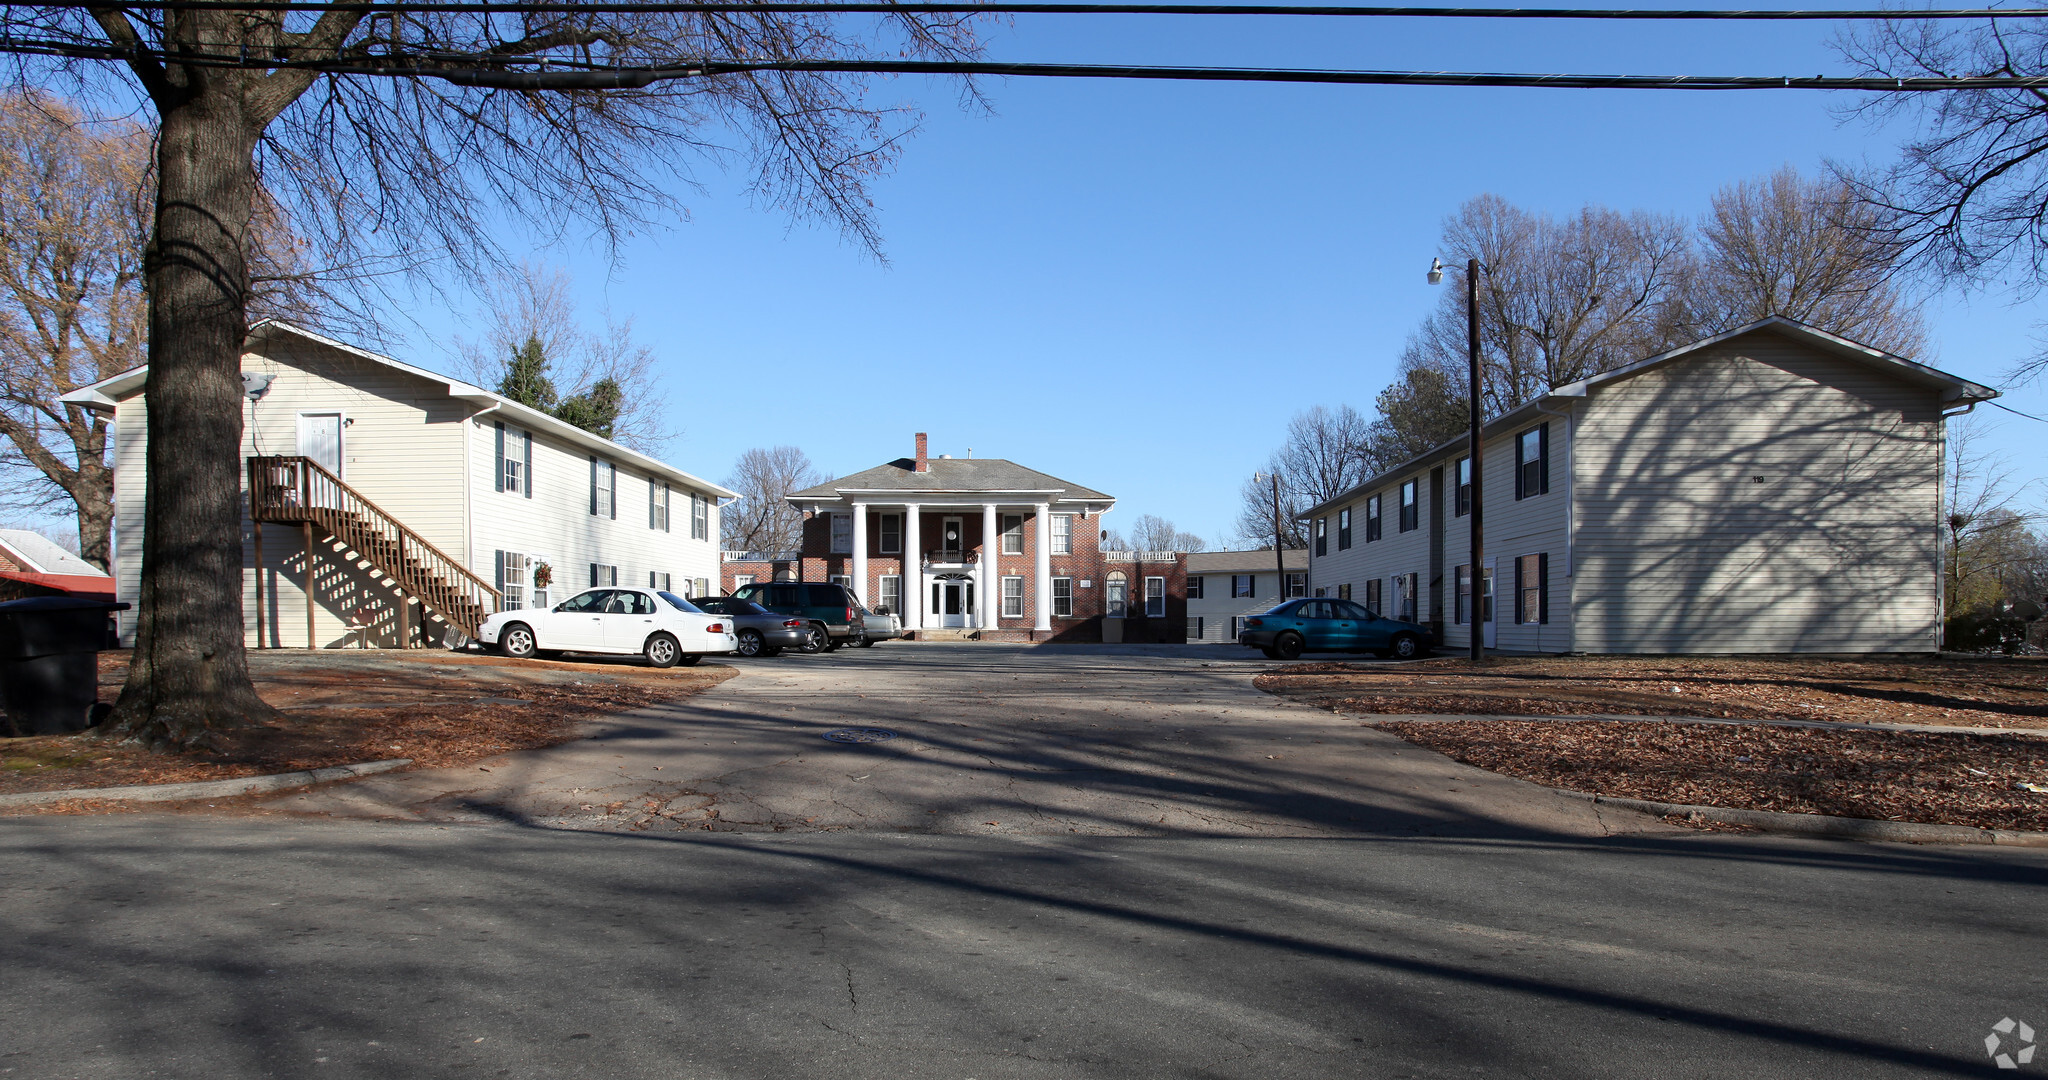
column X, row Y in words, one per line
column 320, row 440
column 1486, row 604
column 952, row 602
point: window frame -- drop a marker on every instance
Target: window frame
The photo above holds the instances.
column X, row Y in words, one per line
column 604, row 576
column 888, row 534
column 1011, row 588
column 1536, row 564
column 1375, row 517
column 1344, row 526
column 1411, row 504
column 1194, row 587
column 891, row 598
column 1375, row 596
column 1461, row 593
column 511, row 595
column 1067, row 597
column 1155, row 597
column 1062, row 534
column 658, row 502
column 1532, row 477
column 1294, row 585
column 1461, row 483
column 700, row 516
column 1322, row 536
column 604, row 488
column 519, row 480
column 1194, row 630
column 1012, row 534
column 841, row 532
column 1344, row 591
column 1244, row 586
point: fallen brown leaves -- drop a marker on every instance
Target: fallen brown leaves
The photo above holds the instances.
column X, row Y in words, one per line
column 423, row 706
column 1939, row 778
column 1951, row 692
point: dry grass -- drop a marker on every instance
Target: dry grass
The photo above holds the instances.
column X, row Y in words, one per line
column 1939, row 778
column 2002, row 693
column 438, row 709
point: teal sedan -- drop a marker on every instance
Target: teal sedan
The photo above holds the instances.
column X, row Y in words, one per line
column 1327, row 625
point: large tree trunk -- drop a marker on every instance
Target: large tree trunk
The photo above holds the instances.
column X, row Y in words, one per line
column 189, row 680
column 94, row 494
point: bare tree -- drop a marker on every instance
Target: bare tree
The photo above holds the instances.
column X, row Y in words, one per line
column 534, row 304
column 1150, row 532
column 397, row 132
column 1805, row 249
column 1968, row 198
column 1324, row 455
column 1559, row 300
column 1986, row 540
column 762, row 519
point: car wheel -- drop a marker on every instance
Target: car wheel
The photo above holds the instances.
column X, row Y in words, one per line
column 815, row 640
column 750, row 644
column 517, row 641
column 1406, row 647
column 1288, row 647
column 662, row 651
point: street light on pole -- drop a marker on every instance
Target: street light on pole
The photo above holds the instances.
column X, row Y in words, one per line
column 1436, row 277
column 1279, row 552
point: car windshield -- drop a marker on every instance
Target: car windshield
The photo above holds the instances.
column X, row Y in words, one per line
column 679, row 603
column 1283, row 609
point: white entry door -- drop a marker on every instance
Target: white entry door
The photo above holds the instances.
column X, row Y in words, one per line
column 952, row 602
column 320, row 439
column 1487, row 605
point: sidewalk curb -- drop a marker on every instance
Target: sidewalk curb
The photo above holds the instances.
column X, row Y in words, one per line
column 1896, row 832
column 207, row 789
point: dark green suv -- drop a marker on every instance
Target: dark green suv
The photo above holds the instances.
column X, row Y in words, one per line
column 836, row 618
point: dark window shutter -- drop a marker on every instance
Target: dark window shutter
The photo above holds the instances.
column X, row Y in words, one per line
column 1521, row 612
column 501, row 551
column 1543, row 456
column 501, row 458
column 529, row 464
column 593, row 487
column 593, row 575
column 652, row 491
column 612, row 481
column 1543, row 587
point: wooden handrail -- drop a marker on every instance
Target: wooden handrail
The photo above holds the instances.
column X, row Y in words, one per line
column 299, row 489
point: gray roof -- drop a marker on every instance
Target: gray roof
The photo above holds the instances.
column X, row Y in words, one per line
column 953, row 475
column 44, row 556
column 1243, row 562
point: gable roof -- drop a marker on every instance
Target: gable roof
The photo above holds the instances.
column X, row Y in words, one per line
column 954, row 476
column 1954, row 390
column 108, row 392
column 38, row 554
column 1257, row 560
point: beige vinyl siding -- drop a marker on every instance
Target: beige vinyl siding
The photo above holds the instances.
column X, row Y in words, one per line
column 1395, row 552
column 556, row 525
column 1681, row 549
column 1513, row 528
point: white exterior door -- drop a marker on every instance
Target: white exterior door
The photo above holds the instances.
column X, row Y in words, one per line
column 952, row 602
column 320, row 439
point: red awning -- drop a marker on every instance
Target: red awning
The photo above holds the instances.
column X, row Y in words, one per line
column 92, row 585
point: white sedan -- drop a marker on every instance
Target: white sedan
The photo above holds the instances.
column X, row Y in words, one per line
column 663, row 627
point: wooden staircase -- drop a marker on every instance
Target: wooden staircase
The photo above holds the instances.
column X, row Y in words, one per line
column 298, row 491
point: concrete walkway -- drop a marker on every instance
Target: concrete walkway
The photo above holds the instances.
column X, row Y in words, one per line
column 989, row 739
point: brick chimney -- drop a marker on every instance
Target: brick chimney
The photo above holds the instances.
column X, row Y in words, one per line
column 923, row 462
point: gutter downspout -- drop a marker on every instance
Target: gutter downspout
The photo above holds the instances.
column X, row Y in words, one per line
column 1941, row 538
column 469, row 486
column 1571, row 534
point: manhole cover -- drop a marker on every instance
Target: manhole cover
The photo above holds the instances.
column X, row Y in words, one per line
column 860, row 734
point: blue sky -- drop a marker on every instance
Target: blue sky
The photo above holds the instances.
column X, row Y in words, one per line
column 1133, row 285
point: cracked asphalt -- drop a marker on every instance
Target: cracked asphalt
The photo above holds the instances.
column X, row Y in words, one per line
column 1186, row 880
column 990, row 739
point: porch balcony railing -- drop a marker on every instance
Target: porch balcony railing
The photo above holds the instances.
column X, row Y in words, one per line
column 951, row 558
column 760, row 556
column 1140, row 556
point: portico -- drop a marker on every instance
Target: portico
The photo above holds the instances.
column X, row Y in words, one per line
column 981, row 545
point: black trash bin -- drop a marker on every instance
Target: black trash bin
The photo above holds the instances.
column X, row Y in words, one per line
column 49, row 662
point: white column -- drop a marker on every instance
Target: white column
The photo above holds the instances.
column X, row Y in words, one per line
column 860, row 553
column 990, row 590
column 913, row 570
column 1044, row 575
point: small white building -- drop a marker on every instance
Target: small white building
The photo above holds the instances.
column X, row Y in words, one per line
column 1225, row 586
column 1774, row 489
column 413, row 503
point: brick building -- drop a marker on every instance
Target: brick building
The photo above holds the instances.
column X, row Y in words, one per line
column 992, row 548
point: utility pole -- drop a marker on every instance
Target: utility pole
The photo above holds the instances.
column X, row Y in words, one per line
column 1479, row 611
column 1279, row 552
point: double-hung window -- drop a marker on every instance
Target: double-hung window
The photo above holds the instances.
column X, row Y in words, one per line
column 1461, row 605
column 1155, row 597
column 1344, row 525
column 1194, row 628
column 891, row 535
column 1372, row 519
column 658, row 580
column 1322, row 536
column 1532, row 462
column 1013, row 534
column 604, row 488
column 1063, row 597
column 1063, row 534
column 700, row 517
column 657, row 506
column 513, row 568
column 603, row 574
column 1297, row 585
column 1532, row 589
column 1462, row 503
column 1373, row 602
column 515, row 460
column 1195, row 588
column 892, row 593
column 842, row 534
column 1013, row 597
column 1344, row 591
column 1244, row 585
column 1411, row 505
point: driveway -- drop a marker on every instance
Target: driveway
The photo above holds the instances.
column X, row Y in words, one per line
column 1130, row 740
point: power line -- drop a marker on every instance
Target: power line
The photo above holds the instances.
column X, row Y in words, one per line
column 861, row 7
column 2016, row 412
column 564, row 76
